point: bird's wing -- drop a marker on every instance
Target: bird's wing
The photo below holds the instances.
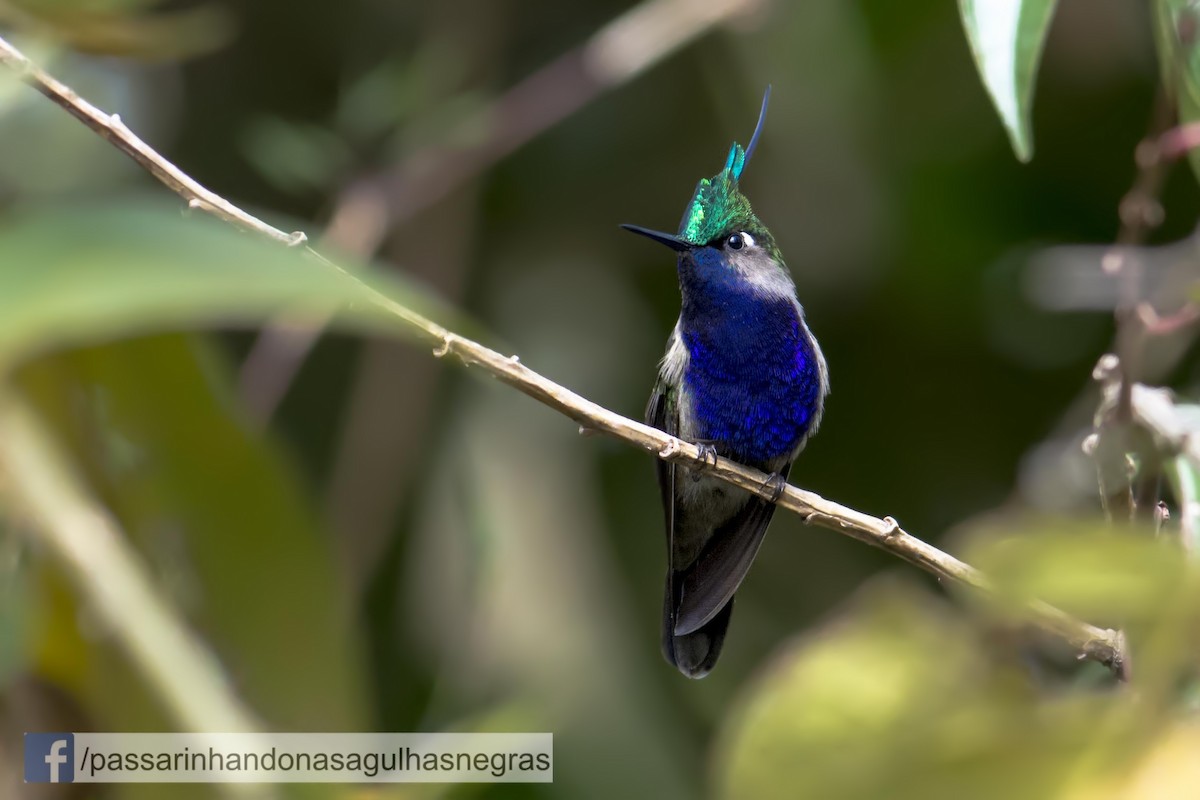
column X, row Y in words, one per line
column 711, row 580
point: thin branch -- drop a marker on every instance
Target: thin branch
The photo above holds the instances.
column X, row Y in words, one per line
column 111, row 128
column 81, row 535
column 1105, row 646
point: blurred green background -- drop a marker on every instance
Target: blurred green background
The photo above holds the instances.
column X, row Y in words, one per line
column 372, row 539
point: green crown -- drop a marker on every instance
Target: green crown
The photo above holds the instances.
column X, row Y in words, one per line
column 718, row 206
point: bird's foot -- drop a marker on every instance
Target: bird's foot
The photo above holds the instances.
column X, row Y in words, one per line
column 777, row 484
column 708, row 459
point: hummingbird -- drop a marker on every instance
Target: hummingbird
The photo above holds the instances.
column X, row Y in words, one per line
column 744, row 379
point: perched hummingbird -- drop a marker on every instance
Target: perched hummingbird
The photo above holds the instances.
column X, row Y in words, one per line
column 744, row 378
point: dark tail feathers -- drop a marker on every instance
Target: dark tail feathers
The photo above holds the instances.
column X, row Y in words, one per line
column 696, row 653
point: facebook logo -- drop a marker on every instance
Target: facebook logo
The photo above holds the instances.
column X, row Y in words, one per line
column 49, row 757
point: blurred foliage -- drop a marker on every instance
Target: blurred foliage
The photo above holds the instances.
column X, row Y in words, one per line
column 146, row 426
column 127, row 28
column 899, row 696
column 406, row 548
column 133, row 267
column 1184, row 476
column 1177, row 34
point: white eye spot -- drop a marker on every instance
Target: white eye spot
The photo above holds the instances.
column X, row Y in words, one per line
column 739, row 240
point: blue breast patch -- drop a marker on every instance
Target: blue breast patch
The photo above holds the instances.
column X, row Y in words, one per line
column 752, row 375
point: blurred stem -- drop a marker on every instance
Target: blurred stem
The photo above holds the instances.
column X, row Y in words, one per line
column 1140, row 212
column 113, row 583
column 1105, row 646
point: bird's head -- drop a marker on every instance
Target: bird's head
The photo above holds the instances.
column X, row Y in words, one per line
column 719, row 230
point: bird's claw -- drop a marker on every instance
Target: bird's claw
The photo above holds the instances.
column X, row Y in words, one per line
column 777, row 484
column 707, row 460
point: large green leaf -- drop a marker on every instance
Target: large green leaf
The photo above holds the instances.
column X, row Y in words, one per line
column 1006, row 39
column 1124, row 578
column 898, row 697
column 224, row 525
column 90, row 274
column 217, row 513
column 1109, row 577
column 149, row 423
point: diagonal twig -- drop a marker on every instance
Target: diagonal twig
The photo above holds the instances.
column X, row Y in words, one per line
column 1105, row 646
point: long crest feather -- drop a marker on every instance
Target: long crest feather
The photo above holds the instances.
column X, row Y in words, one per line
column 758, row 129
column 717, row 203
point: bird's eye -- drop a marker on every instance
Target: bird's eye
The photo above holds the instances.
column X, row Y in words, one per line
column 739, row 240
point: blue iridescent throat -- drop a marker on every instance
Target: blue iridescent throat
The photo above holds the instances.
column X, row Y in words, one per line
column 752, row 376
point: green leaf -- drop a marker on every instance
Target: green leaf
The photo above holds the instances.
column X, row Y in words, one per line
column 1006, row 38
column 1113, row 577
column 101, row 273
column 154, row 431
